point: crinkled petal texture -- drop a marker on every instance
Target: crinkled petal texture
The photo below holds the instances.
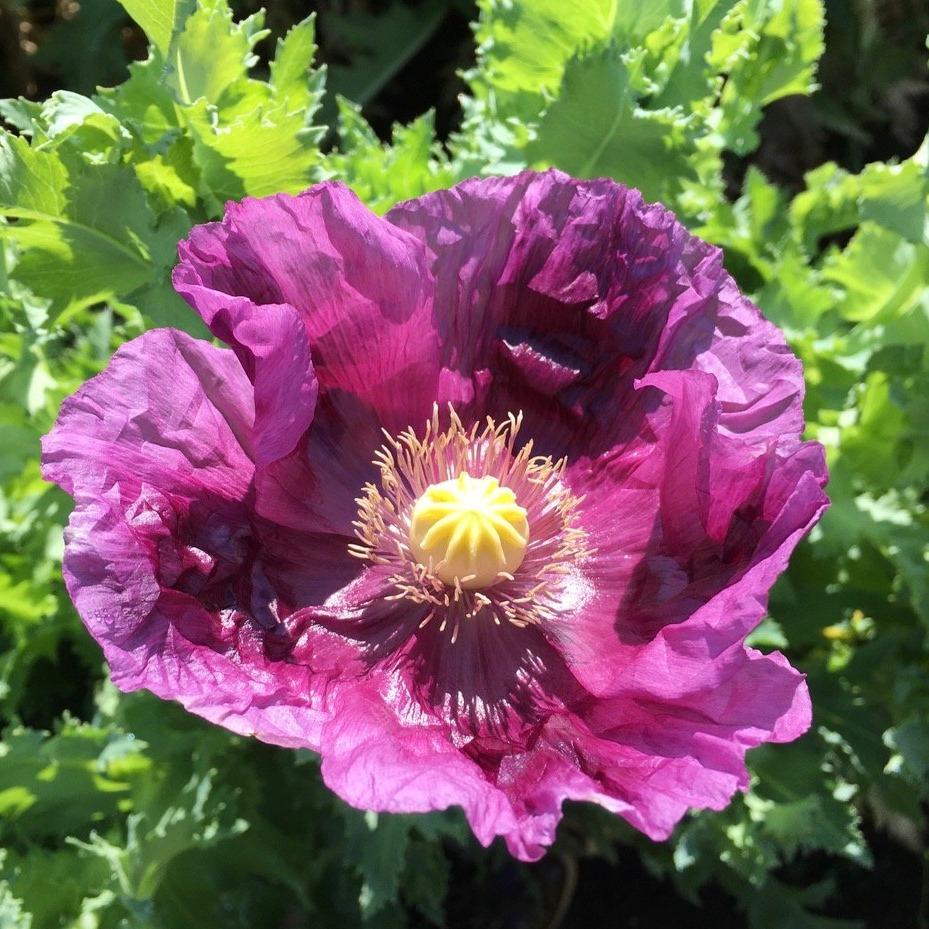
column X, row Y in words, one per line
column 216, row 490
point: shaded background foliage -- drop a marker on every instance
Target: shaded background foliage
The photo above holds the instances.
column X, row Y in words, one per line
column 122, row 811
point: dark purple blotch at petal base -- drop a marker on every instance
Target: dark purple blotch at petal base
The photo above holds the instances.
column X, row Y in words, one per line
column 215, row 496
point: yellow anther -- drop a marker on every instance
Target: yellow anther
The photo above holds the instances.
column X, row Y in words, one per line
column 470, row 530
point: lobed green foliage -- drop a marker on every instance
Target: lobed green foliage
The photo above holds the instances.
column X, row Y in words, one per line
column 123, row 811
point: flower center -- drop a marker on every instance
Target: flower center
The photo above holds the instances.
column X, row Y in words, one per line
column 468, row 525
column 469, row 531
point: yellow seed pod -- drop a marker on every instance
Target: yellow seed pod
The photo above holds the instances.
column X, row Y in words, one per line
column 470, row 529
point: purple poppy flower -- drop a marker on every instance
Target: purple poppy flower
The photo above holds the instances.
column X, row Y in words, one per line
column 480, row 503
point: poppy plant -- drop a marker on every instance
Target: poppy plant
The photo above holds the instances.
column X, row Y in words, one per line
column 480, row 502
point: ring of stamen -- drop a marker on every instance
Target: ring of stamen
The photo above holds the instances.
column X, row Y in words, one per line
column 523, row 593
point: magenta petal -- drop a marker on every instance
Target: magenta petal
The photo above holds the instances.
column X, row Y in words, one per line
column 153, row 640
column 559, row 293
column 360, row 286
column 555, row 295
column 695, row 743
column 313, row 488
column 539, row 782
column 652, row 762
column 760, row 381
column 644, row 503
column 156, row 451
column 169, row 410
column 681, row 652
column 689, row 533
column 274, row 352
column 382, row 752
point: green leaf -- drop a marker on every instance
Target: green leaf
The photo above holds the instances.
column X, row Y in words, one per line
column 144, row 102
column 896, row 197
column 30, row 182
column 53, row 884
column 828, row 205
column 816, row 823
column 425, row 878
column 910, row 743
column 411, row 165
column 870, row 446
column 767, row 635
column 212, row 54
column 595, row 127
column 84, row 233
column 11, row 909
column 779, row 906
column 56, row 785
column 524, row 46
column 686, row 52
column 883, row 276
column 160, row 19
column 769, row 51
column 376, row 845
column 17, row 443
column 199, row 816
column 259, row 139
column 20, row 113
column 262, row 153
column 170, row 177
